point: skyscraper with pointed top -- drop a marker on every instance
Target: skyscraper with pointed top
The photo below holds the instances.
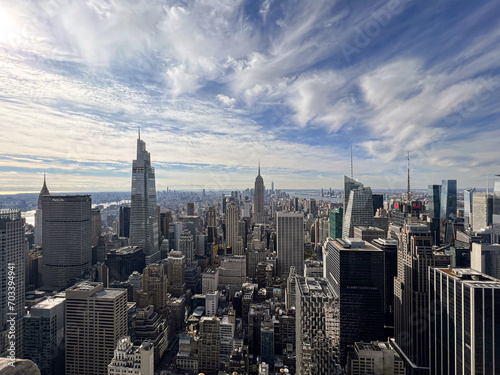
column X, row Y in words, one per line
column 143, row 211
column 258, row 204
column 38, row 213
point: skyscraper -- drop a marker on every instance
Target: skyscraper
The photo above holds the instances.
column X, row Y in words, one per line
column 186, row 246
column 464, row 322
column 349, row 184
column 482, row 211
column 124, row 221
column 448, row 199
column 258, row 202
column 411, row 298
column 335, row 222
column 231, row 225
column 434, row 205
column 13, row 251
column 468, row 199
column 359, row 210
column 209, row 345
column 317, row 327
column 355, row 271
column 176, row 265
column 290, row 242
column 38, row 214
column 143, row 209
column 96, row 318
column 67, row 243
column 130, row 359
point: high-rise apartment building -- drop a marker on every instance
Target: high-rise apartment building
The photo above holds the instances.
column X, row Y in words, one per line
column 132, row 360
column 232, row 226
column 355, row 271
column 143, row 209
column 359, row 211
column 96, row 318
column 258, row 199
column 411, row 296
column 290, row 242
column 317, row 326
column 67, row 243
column 448, row 199
column 44, row 335
column 38, row 214
column 464, row 322
column 13, row 252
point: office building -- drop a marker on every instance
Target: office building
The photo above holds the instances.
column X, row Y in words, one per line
column 464, row 322
column 155, row 282
column 143, row 209
column 335, row 220
column 349, row 184
column 211, row 302
column 290, row 242
column 358, row 212
column 232, row 226
column 233, row 272
column 355, row 271
column 13, row 252
column 368, row 234
column 378, row 202
column 125, row 221
column 448, row 199
column 267, row 342
column 434, row 201
column 258, row 199
column 482, row 211
column 151, row 326
column 209, row 345
column 132, row 360
column 186, row 246
column 468, row 201
column 390, row 249
column 44, row 335
column 190, row 209
column 411, row 297
column 38, row 214
column 209, row 280
column 227, row 329
column 67, row 243
column 317, row 326
column 122, row 262
column 96, row 318
column 485, row 258
column 374, row 358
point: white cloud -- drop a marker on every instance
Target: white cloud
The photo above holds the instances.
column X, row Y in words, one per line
column 226, row 100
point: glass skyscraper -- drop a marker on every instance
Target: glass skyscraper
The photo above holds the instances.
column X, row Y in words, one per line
column 448, row 199
column 434, row 204
column 143, row 209
column 468, row 197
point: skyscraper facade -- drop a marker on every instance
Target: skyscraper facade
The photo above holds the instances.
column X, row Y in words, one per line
column 359, row 211
column 468, row 199
column 231, row 225
column 335, row 221
column 482, row 211
column 186, row 245
column 411, row 296
column 67, row 243
column 96, row 318
column 464, row 322
column 349, row 184
column 143, row 209
column 355, row 271
column 317, row 326
column 434, row 205
column 38, row 213
column 448, row 199
column 259, row 199
column 290, row 242
column 124, row 221
column 13, row 252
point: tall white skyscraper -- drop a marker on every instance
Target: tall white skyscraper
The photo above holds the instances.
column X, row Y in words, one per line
column 258, row 199
column 143, row 209
column 290, row 242
column 186, row 245
column 359, row 210
column 12, row 264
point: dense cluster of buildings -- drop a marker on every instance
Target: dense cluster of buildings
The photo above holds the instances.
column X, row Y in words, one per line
column 254, row 282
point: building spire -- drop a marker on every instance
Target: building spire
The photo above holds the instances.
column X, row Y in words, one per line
column 259, row 167
column 409, row 190
column 352, row 173
column 139, row 129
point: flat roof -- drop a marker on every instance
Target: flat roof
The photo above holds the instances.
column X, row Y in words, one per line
column 48, row 303
column 367, row 246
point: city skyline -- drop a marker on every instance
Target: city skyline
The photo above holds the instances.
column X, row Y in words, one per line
column 292, row 84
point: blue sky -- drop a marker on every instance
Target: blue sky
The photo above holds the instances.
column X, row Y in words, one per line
column 217, row 85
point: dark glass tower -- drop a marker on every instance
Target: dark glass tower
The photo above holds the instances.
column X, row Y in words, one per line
column 434, row 204
column 449, row 199
column 143, row 210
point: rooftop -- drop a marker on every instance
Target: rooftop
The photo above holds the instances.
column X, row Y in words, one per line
column 354, row 244
column 472, row 277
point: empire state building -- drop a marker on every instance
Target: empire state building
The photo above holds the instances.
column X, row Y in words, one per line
column 258, row 204
column 143, row 210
